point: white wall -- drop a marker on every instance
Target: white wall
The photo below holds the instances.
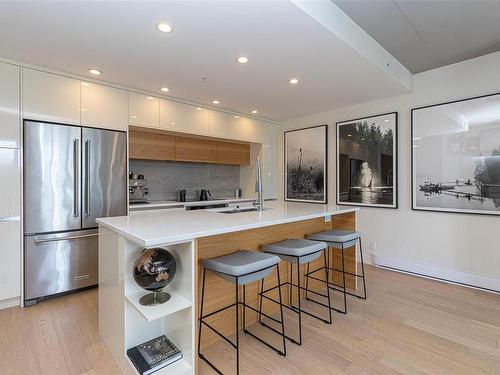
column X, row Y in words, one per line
column 466, row 243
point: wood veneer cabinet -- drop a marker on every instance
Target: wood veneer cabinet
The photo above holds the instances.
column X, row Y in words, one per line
column 193, row 149
column 159, row 145
column 233, row 153
column 151, row 146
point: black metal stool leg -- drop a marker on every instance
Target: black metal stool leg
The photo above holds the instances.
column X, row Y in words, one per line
column 260, row 300
column 343, row 282
column 244, row 308
column 327, row 287
column 362, row 269
column 281, row 310
column 298, row 296
column 237, row 329
column 201, row 313
column 307, row 280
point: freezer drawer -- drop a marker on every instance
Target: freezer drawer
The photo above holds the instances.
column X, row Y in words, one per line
column 57, row 263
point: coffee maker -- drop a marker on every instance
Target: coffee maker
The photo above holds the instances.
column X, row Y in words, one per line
column 137, row 188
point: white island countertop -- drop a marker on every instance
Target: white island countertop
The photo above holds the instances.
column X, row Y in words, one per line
column 170, row 226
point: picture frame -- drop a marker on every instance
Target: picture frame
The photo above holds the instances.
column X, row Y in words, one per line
column 306, row 164
column 464, row 173
column 367, row 161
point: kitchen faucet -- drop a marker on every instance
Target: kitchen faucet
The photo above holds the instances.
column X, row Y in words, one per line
column 259, row 203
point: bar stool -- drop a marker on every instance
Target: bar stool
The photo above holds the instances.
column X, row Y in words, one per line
column 240, row 268
column 341, row 239
column 298, row 251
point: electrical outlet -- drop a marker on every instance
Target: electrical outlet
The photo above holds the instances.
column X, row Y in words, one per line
column 328, row 218
column 372, row 245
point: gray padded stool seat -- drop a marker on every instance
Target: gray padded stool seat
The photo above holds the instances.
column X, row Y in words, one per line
column 242, row 265
column 288, row 250
column 336, row 237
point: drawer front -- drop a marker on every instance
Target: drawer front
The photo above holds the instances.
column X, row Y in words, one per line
column 60, row 262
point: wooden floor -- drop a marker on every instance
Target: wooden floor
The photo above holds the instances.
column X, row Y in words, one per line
column 408, row 325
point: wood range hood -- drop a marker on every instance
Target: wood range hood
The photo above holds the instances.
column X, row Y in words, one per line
column 156, row 144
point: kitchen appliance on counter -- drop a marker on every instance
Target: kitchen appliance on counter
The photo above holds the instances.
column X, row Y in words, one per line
column 182, row 195
column 72, row 175
column 203, row 194
column 137, row 189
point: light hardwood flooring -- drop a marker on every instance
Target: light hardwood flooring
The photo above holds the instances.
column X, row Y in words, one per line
column 408, row 325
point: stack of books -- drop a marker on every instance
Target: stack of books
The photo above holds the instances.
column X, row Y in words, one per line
column 153, row 355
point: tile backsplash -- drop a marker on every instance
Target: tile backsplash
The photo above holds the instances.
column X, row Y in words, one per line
column 166, row 178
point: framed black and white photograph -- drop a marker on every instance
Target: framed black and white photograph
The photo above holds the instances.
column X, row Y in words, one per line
column 456, row 156
column 306, row 164
column 367, row 161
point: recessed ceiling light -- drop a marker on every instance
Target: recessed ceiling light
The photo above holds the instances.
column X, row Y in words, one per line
column 236, row 116
column 293, row 81
column 165, row 27
column 94, row 71
column 150, row 98
column 199, row 108
column 215, row 102
column 242, row 60
column 349, row 135
column 255, row 111
column 386, row 120
column 165, row 89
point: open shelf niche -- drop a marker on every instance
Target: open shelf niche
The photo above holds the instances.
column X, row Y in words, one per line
column 175, row 318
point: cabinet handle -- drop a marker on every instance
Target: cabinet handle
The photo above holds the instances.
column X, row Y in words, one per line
column 54, row 239
column 76, row 186
column 9, row 218
column 87, row 177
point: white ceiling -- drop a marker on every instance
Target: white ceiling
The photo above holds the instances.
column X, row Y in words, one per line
column 120, row 38
column 425, row 35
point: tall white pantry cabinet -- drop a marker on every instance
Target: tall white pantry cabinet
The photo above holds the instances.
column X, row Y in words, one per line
column 10, row 188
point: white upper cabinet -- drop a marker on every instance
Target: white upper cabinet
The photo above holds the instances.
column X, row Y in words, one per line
column 50, row 97
column 269, row 142
column 10, row 127
column 220, row 124
column 143, row 110
column 197, row 120
column 173, row 116
column 103, row 106
column 246, row 129
column 269, row 181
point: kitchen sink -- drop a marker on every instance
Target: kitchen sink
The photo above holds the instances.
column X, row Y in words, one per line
column 238, row 210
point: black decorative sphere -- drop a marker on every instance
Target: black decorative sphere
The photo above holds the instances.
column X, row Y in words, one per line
column 154, row 269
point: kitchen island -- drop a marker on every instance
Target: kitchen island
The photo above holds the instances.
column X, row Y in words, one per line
column 191, row 236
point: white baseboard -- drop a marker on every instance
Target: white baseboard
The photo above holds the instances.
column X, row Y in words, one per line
column 10, row 302
column 368, row 259
column 469, row 279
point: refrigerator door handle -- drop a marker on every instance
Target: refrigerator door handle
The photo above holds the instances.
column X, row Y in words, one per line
column 76, row 187
column 87, row 177
column 69, row 238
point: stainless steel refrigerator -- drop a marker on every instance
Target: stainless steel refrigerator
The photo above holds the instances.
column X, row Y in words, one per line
column 72, row 175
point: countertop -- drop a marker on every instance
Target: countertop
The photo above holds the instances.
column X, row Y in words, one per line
column 175, row 225
column 165, row 204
